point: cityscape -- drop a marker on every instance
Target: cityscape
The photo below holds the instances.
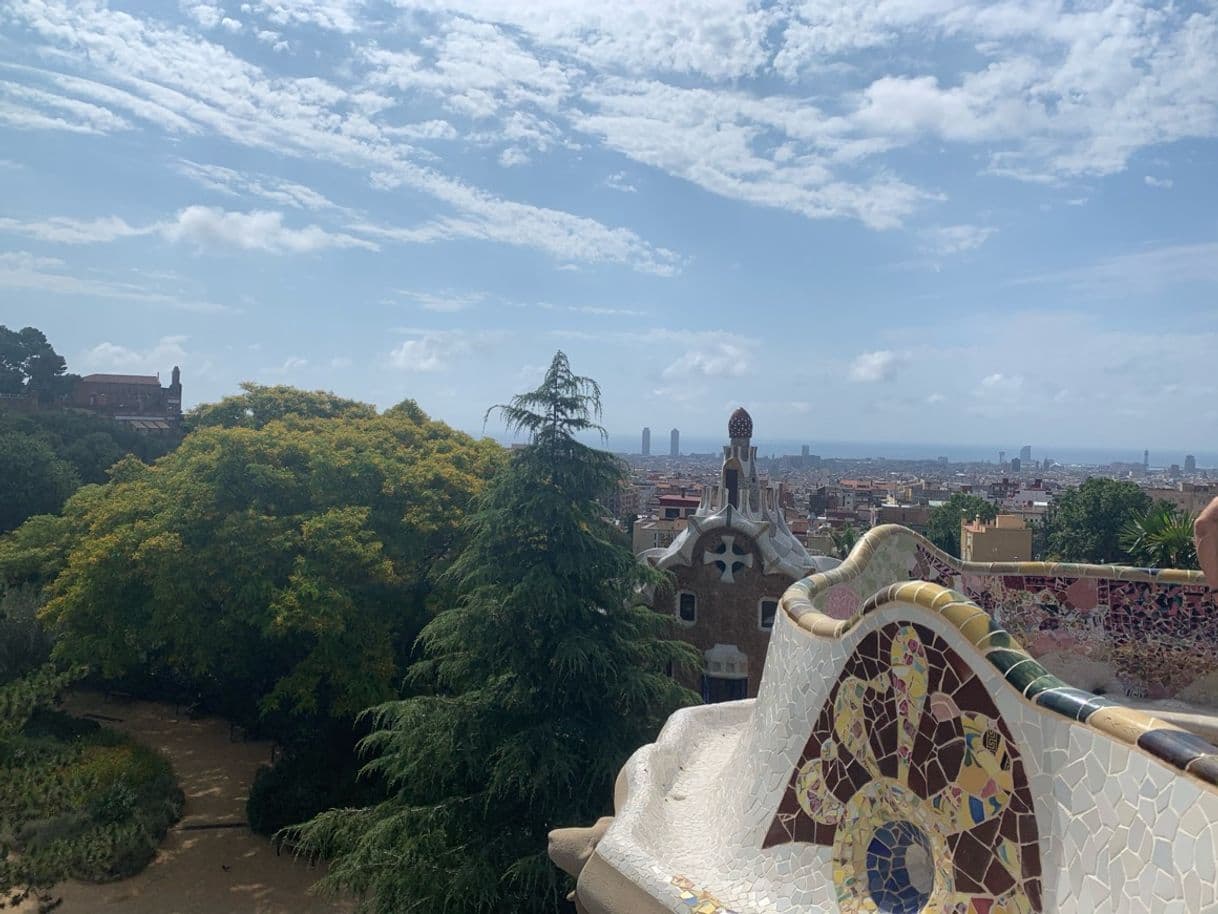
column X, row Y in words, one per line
column 822, row 495
column 633, row 457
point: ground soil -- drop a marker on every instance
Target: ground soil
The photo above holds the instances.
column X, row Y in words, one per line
column 208, row 870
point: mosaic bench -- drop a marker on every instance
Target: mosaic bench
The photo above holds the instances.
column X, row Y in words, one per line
column 910, row 757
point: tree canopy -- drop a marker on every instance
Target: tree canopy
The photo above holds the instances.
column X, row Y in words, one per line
column 538, row 682
column 1085, row 524
column 943, row 528
column 261, row 404
column 282, row 569
column 32, row 479
column 30, row 366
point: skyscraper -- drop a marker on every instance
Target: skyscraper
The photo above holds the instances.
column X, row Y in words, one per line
column 674, row 443
column 1190, row 463
column 1146, row 460
column 1025, row 453
column 1016, row 463
column 1002, row 457
column 646, row 441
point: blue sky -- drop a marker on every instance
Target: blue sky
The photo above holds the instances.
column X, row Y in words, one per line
column 941, row 220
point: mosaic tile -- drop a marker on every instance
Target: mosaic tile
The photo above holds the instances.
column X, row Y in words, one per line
column 944, row 799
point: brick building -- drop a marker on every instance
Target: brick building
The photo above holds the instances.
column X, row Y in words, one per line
column 136, row 400
column 731, row 563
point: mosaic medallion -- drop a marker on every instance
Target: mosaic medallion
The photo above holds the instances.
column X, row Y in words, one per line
column 912, row 778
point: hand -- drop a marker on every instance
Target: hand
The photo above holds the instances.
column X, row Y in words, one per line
column 1205, row 534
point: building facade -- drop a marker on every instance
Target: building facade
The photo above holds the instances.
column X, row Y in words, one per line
column 135, row 400
column 730, row 564
column 646, row 450
column 1007, row 539
column 674, row 443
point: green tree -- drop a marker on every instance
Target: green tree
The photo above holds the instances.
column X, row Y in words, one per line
column 32, row 480
column 844, row 540
column 1085, row 524
column 282, row 571
column 261, row 404
column 543, row 677
column 30, row 365
column 943, row 528
column 1161, row 538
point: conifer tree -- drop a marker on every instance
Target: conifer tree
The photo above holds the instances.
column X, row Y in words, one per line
column 540, row 681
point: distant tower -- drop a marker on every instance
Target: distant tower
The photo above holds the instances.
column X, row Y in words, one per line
column 1146, row 460
column 1025, row 453
column 646, row 441
column 173, row 400
column 674, row 443
column 1016, row 463
column 1002, row 458
column 1190, row 463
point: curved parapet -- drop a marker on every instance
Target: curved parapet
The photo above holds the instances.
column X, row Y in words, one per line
column 910, row 758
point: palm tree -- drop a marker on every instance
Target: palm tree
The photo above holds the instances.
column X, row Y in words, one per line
column 1161, row 538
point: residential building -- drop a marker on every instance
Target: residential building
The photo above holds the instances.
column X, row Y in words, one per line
column 1007, row 539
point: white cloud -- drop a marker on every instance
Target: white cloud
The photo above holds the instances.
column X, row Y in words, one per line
column 956, row 239
column 723, row 358
column 880, row 365
column 65, row 230
column 337, row 15
column 293, row 362
column 1147, row 272
column 935, row 399
column 203, row 226
column 618, row 181
column 168, row 351
column 1161, row 183
column 445, row 302
column 513, row 156
column 431, row 350
column 208, row 86
column 236, row 183
column 207, row 15
column 210, row 227
column 27, row 108
column 22, row 270
column 340, row 361
column 999, row 382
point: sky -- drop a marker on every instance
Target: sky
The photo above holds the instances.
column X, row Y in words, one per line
column 895, row 220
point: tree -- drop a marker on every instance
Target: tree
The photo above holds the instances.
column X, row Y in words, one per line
column 32, row 480
column 1161, row 538
column 943, row 528
column 540, row 680
column 281, row 573
column 30, row 365
column 844, row 540
column 1085, row 524
column 261, row 404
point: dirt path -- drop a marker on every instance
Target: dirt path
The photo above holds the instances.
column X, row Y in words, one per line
column 199, row 870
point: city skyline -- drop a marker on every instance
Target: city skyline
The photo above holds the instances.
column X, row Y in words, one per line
column 906, row 224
